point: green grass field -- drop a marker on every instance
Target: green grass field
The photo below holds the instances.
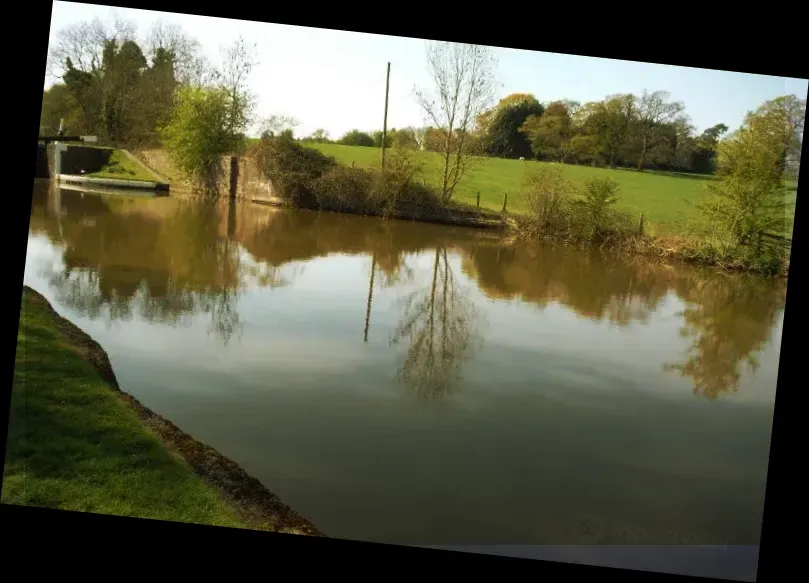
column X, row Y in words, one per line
column 122, row 167
column 666, row 199
column 73, row 444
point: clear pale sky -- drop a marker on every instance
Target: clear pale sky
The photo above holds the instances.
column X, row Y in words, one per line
column 336, row 79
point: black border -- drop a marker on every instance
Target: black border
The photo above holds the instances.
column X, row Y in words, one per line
column 742, row 41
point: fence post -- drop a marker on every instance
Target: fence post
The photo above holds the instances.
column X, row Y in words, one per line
column 234, row 176
column 640, row 229
column 505, row 201
column 478, row 200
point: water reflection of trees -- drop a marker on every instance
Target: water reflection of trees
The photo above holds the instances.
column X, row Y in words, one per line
column 729, row 319
column 440, row 324
column 592, row 284
column 167, row 260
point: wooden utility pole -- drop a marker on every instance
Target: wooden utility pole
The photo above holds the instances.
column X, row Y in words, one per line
column 385, row 122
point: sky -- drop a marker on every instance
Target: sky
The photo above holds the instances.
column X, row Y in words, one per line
column 336, row 79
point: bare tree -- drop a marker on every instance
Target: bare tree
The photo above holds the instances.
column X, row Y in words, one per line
column 190, row 66
column 277, row 124
column 83, row 43
column 238, row 61
column 464, row 87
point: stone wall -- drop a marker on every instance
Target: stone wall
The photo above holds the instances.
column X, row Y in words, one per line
column 251, row 184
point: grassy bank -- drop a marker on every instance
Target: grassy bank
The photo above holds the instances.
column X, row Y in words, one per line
column 76, row 442
column 665, row 199
column 123, row 167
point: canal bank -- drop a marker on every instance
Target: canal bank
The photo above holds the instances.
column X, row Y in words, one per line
column 77, row 442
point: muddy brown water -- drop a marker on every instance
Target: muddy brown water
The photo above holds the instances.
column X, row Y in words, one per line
column 420, row 384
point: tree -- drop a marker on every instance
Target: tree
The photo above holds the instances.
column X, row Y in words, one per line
column 169, row 40
column 780, row 121
column 748, row 202
column 549, row 134
column 275, row 125
column 503, row 137
column 58, row 103
column 583, row 148
column 611, row 122
column 83, row 44
column 320, row 136
column 389, row 138
column 357, row 138
column 653, row 112
column 704, row 155
column 406, row 138
column 463, row 77
column 201, row 130
column 237, row 63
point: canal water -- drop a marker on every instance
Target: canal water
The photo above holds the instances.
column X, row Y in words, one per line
column 418, row 384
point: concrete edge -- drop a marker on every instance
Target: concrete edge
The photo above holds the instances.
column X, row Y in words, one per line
column 112, row 182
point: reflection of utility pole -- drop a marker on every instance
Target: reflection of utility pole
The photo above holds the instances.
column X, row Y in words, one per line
column 385, row 122
column 370, row 297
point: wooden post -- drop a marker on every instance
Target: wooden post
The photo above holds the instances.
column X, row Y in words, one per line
column 234, row 176
column 505, row 201
column 478, row 200
column 640, row 229
column 385, row 121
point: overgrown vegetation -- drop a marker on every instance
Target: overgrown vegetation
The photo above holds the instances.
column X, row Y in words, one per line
column 566, row 212
column 307, row 178
column 160, row 90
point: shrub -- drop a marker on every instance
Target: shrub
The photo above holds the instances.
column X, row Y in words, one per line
column 343, row 189
column 205, row 125
column 548, row 198
column 357, row 138
column 293, row 168
column 560, row 210
column 398, row 189
column 595, row 218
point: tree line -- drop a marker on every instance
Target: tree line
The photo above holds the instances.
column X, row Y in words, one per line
column 649, row 131
column 155, row 91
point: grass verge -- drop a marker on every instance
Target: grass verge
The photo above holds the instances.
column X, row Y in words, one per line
column 122, row 167
column 76, row 442
column 666, row 199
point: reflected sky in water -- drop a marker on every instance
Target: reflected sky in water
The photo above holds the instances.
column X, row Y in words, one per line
column 428, row 385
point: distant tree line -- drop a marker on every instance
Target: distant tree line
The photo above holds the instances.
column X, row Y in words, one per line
column 649, row 131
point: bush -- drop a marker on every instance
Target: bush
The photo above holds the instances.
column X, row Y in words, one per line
column 560, row 210
column 399, row 189
column 204, row 126
column 548, row 198
column 307, row 178
column 357, row 138
column 293, row 168
column 595, row 217
column 343, row 189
